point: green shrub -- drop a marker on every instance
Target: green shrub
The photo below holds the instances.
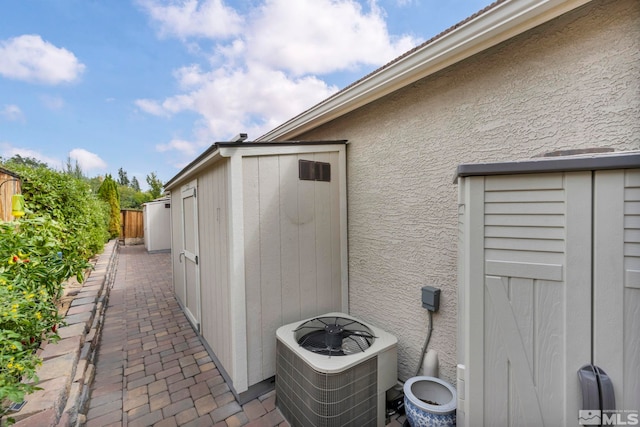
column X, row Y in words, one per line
column 65, row 224
column 83, row 218
column 32, row 271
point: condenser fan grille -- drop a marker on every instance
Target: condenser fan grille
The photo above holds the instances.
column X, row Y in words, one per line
column 334, row 336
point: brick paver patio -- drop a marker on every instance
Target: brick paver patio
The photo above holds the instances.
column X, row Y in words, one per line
column 151, row 367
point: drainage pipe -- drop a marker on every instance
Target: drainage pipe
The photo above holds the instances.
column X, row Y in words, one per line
column 426, row 343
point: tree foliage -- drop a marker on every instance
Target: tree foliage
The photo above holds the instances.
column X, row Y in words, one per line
column 155, row 185
column 135, row 185
column 73, row 169
column 108, row 192
column 132, row 199
column 123, row 179
column 18, row 160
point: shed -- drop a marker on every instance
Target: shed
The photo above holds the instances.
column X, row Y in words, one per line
column 157, row 225
column 259, row 238
column 549, row 281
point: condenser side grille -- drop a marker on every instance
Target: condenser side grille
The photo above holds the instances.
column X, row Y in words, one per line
column 307, row 397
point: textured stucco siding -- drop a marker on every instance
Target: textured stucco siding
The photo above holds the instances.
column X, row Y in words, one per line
column 571, row 83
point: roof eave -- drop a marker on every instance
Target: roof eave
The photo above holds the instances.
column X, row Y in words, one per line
column 208, row 157
column 498, row 24
column 220, row 150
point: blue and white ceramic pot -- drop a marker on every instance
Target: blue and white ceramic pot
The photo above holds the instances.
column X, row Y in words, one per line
column 430, row 402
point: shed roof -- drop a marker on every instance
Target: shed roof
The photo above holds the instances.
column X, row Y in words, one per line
column 582, row 162
column 212, row 155
column 494, row 24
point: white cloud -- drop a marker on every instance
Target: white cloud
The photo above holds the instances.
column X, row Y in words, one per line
column 253, row 100
column 322, row 36
column 31, row 59
column 12, row 113
column 191, row 18
column 152, row 107
column 87, row 160
column 269, row 72
column 181, row 146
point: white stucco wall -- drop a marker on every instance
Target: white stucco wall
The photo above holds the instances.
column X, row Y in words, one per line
column 571, row 83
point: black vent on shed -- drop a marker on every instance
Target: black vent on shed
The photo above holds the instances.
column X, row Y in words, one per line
column 314, row 171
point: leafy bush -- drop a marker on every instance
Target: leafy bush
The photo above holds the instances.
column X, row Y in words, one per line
column 32, row 271
column 65, row 224
column 68, row 200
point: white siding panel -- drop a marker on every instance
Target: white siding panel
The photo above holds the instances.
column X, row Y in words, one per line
column 270, row 260
column 526, row 220
column 214, row 262
column 290, row 238
column 253, row 267
column 335, row 232
column 307, row 246
column 323, row 225
column 531, row 232
column 551, row 181
column 514, row 244
column 524, row 208
column 292, row 250
column 524, row 256
column 525, row 196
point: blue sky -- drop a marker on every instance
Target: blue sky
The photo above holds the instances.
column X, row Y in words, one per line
column 147, row 85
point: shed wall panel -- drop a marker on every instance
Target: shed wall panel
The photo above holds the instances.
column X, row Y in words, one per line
column 292, row 250
column 214, row 261
column 290, row 239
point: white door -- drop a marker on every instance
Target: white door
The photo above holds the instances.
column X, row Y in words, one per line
column 189, row 255
column 561, row 255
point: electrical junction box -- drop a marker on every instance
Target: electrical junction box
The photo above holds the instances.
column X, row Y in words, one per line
column 430, row 298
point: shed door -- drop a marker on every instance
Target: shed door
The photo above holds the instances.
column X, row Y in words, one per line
column 189, row 255
column 553, row 267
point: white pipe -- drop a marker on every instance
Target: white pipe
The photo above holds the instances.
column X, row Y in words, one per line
column 430, row 364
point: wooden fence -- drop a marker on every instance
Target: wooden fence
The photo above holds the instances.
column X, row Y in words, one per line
column 9, row 185
column 132, row 227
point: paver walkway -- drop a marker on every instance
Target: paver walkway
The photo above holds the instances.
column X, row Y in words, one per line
column 151, row 367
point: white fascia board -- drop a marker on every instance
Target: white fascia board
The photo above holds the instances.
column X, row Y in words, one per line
column 208, row 158
column 501, row 23
column 269, row 149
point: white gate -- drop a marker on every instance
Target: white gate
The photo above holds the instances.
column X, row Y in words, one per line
column 549, row 282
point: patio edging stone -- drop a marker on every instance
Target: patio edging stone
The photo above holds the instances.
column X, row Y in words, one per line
column 68, row 365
